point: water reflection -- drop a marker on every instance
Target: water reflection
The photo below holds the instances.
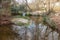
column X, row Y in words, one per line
column 31, row 30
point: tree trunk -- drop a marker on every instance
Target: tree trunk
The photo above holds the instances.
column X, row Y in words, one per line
column 5, row 12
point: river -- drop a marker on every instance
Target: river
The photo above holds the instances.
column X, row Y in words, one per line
column 15, row 32
column 43, row 31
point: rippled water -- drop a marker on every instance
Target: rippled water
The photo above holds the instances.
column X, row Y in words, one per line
column 52, row 35
column 16, row 32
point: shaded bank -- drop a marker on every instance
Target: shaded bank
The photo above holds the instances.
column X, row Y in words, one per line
column 6, row 33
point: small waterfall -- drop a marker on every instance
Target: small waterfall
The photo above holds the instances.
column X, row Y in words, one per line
column 24, row 14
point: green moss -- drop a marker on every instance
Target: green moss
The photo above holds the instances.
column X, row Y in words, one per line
column 23, row 24
column 25, row 17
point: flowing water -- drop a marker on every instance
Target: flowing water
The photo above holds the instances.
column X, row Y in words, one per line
column 24, row 14
column 43, row 31
column 16, row 32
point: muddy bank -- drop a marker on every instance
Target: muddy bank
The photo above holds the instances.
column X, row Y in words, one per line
column 6, row 33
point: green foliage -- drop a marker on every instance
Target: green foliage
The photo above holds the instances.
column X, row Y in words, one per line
column 18, row 9
column 48, row 22
column 28, row 15
column 14, row 10
column 22, row 8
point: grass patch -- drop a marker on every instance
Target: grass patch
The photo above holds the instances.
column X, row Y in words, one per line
column 18, row 16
